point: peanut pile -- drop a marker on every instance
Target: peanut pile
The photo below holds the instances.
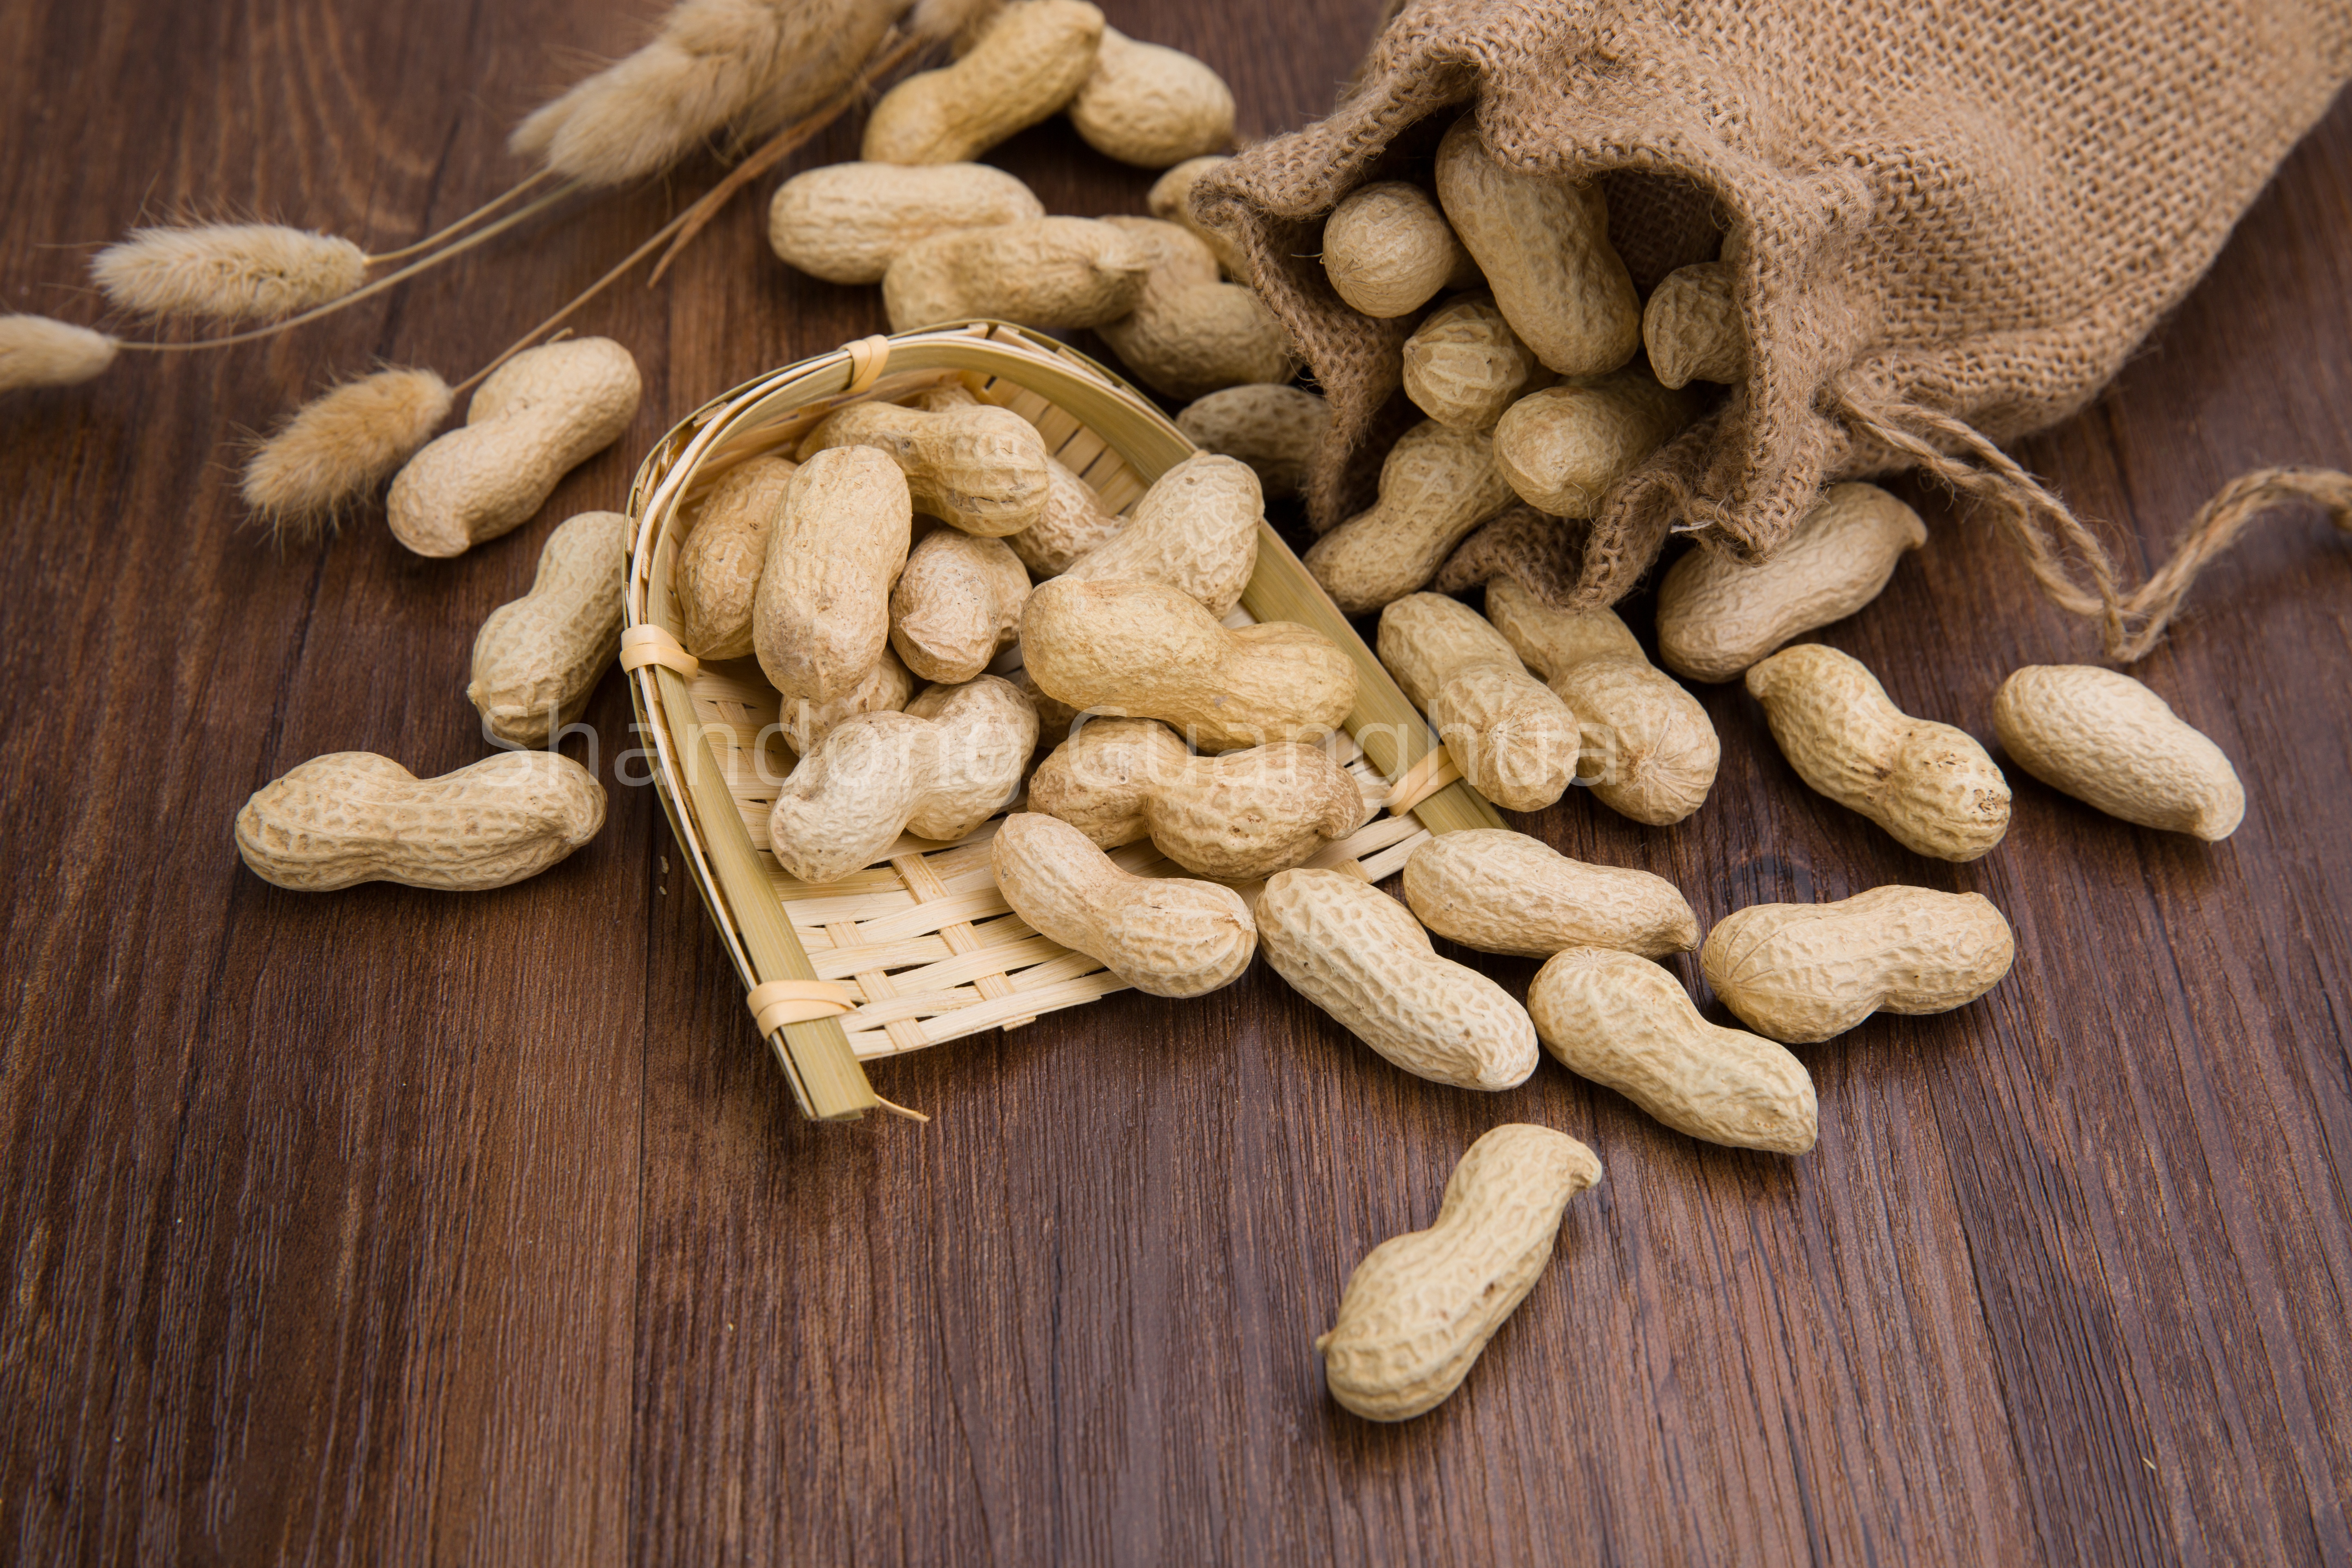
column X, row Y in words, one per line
column 882, row 567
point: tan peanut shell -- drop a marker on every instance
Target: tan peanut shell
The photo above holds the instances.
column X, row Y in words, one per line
column 822, row 616
column 1188, row 333
column 1464, row 365
column 1149, row 105
column 1801, row 973
column 1929, row 785
column 1240, row 816
column 845, row 221
column 1514, row 739
column 1170, row 200
column 1028, row 62
column 1387, row 250
column 1691, row 327
column 1563, row 447
column 1361, row 957
column 1274, row 429
column 718, row 571
column 1436, row 485
column 939, row 770
column 957, row 605
column 1076, row 522
column 1145, row 650
column 1166, row 936
column 353, row 817
column 1042, row 272
column 1543, row 244
column 1421, row 1307
column 1500, row 891
column 1195, row 529
column 539, row 415
column 2110, row 742
column 537, row 658
column 1056, row 719
column 1647, row 748
column 980, row 469
column 885, row 689
column 1717, row 617
column 1628, row 1025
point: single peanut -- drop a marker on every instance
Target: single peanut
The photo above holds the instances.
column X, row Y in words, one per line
column 1929, row 785
column 353, row 817
column 822, row 616
column 1166, row 936
column 1042, row 273
column 980, row 469
column 1145, row 650
column 1421, row 1307
column 844, row 222
column 1361, row 957
column 957, row 605
column 1647, row 748
column 1244, row 815
column 1500, row 891
column 1691, row 327
column 1464, row 365
column 1188, row 333
column 1274, row 429
column 1801, row 973
column 2105, row 739
column 1543, row 244
column 1628, row 1025
column 1562, row 448
column 937, row 770
column 1149, row 105
column 1170, row 200
column 717, row 570
column 1436, row 485
column 1512, row 737
column 1025, row 65
column 1076, row 522
column 1195, row 529
column 1717, row 617
column 885, row 689
column 539, row 415
column 1387, row 250
column 537, row 658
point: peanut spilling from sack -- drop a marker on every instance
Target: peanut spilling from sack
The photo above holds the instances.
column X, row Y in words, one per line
column 1165, row 936
column 2106, row 740
column 1187, row 333
column 1361, row 957
column 1144, row 650
column 1464, row 365
column 352, row 816
column 1240, row 816
column 1436, row 485
column 1562, row 448
column 1801, row 973
column 539, row 415
column 1421, row 1307
column 1512, row 737
column 1691, row 327
column 1929, row 785
column 1387, row 250
column 537, row 658
column 1628, row 1025
column 1500, row 891
column 939, row 770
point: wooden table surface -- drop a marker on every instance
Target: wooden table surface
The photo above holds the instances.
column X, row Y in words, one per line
column 394, row 1227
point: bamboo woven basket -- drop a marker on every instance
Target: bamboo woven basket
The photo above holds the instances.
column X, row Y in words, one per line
column 920, row 948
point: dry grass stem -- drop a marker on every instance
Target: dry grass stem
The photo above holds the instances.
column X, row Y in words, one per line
column 227, row 272
column 37, row 351
column 339, row 447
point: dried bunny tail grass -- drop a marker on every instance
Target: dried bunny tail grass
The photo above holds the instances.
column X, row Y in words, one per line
column 228, row 271
column 37, row 351
column 713, row 62
column 339, row 447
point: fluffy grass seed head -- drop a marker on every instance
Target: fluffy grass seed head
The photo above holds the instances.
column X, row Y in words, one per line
column 227, row 272
column 37, row 351
column 339, row 447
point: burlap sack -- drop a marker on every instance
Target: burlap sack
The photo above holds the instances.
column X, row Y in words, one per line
column 1959, row 220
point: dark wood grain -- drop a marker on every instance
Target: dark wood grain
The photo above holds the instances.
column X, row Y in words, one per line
column 383, row 1226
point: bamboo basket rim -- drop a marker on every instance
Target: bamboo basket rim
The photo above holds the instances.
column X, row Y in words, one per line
column 827, row 1080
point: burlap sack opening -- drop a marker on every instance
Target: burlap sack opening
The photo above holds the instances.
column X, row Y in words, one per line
column 1957, row 224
